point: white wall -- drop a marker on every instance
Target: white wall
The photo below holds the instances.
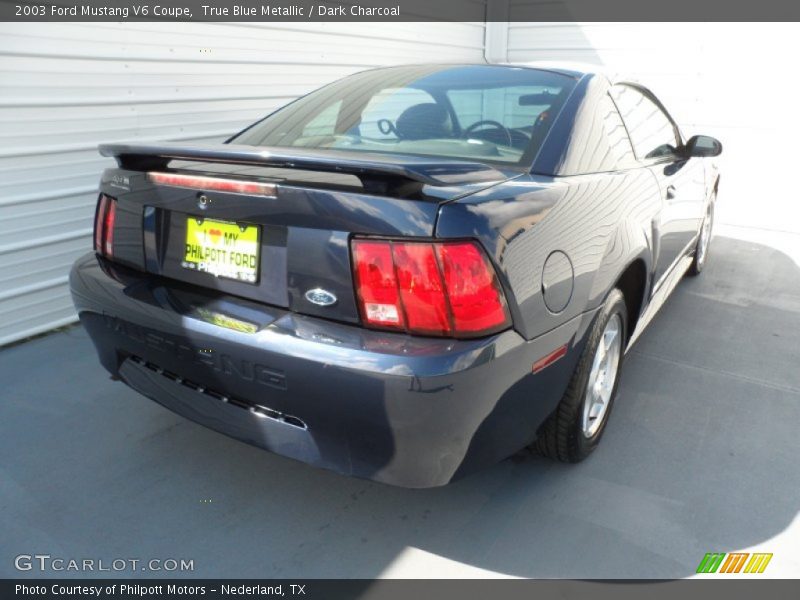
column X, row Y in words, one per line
column 64, row 88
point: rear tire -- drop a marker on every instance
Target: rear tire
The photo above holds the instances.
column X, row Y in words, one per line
column 703, row 241
column 574, row 429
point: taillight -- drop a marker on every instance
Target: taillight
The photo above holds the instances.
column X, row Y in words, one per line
column 377, row 284
column 99, row 218
column 428, row 288
column 422, row 292
column 475, row 298
column 104, row 226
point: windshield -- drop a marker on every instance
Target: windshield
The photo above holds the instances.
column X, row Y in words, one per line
column 480, row 113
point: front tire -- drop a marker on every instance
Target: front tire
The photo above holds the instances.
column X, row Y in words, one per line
column 573, row 431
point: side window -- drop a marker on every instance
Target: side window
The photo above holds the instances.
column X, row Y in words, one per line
column 651, row 131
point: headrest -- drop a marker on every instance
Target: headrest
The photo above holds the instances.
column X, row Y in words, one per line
column 424, row 121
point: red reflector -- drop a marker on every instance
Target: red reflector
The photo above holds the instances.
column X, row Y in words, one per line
column 548, row 360
column 99, row 218
column 428, row 288
column 212, row 183
column 376, row 284
column 108, row 228
column 476, row 300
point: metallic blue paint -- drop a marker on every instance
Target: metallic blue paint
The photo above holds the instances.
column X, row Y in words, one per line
column 399, row 409
column 415, row 412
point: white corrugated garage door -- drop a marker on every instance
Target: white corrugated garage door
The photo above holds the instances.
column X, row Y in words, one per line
column 64, row 88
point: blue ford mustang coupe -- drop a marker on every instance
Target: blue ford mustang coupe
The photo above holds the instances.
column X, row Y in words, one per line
column 405, row 275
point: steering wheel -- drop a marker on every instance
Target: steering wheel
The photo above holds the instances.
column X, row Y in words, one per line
column 386, row 127
column 495, row 124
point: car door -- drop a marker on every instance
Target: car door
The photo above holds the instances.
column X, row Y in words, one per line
column 655, row 138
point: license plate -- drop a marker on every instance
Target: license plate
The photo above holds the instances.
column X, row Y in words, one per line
column 222, row 249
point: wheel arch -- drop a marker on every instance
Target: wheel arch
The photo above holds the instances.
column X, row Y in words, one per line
column 633, row 282
column 627, row 264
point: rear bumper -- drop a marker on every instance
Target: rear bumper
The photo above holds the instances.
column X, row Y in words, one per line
column 415, row 412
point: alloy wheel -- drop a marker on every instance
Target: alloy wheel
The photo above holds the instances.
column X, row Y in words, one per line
column 602, row 377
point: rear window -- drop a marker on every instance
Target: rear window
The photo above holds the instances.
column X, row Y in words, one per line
column 483, row 113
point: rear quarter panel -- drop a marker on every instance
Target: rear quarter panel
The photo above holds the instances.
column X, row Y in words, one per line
column 602, row 222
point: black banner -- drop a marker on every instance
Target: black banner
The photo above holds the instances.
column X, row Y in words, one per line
column 389, row 589
column 399, row 10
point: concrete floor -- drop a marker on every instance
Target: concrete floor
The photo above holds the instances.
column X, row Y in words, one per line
column 701, row 455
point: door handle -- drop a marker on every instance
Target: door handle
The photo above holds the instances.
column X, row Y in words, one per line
column 671, row 192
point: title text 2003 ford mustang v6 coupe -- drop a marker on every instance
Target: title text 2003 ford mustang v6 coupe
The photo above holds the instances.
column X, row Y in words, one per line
column 405, row 275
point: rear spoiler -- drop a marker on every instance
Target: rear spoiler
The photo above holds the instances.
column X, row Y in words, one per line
column 435, row 172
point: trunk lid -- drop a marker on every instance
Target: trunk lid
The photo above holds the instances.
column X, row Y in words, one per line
column 315, row 201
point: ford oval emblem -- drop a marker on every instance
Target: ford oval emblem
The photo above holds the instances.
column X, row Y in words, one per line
column 320, row 297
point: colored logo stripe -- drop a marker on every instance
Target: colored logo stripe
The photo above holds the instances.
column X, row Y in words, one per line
column 734, row 562
column 758, row 563
column 713, row 562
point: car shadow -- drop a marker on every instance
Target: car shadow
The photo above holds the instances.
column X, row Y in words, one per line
column 700, row 455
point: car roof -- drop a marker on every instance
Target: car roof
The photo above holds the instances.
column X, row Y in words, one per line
column 578, row 69
column 572, row 69
column 569, row 68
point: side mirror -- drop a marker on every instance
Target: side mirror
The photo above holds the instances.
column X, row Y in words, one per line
column 702, row 145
